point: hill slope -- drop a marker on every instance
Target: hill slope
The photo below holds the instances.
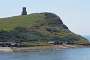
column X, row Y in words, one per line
column 12, row 22
column 40, row 27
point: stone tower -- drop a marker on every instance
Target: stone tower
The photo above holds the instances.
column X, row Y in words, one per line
column 24, row 12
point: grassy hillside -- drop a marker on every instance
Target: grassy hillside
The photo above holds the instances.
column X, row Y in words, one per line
column 22, row 21
column 37, row 27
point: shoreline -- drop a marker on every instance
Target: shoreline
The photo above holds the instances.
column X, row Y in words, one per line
column 38, row 48
column 35, row 48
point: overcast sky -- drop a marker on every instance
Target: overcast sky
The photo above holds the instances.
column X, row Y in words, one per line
column 74, row 13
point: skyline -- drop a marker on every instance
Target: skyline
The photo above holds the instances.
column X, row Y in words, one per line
column 74, row 13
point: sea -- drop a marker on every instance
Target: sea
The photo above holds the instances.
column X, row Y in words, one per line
column 49, row 54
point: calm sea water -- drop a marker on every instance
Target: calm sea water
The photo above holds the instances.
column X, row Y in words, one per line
column 49, row 54
column 58, row 54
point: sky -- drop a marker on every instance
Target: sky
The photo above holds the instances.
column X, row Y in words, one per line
column 74, row 13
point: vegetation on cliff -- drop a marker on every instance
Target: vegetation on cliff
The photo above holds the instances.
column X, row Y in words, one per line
column 37, row 27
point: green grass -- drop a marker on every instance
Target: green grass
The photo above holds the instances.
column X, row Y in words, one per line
column 19, row 21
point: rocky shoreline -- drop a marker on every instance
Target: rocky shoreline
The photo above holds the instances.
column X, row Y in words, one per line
column 36, row 48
